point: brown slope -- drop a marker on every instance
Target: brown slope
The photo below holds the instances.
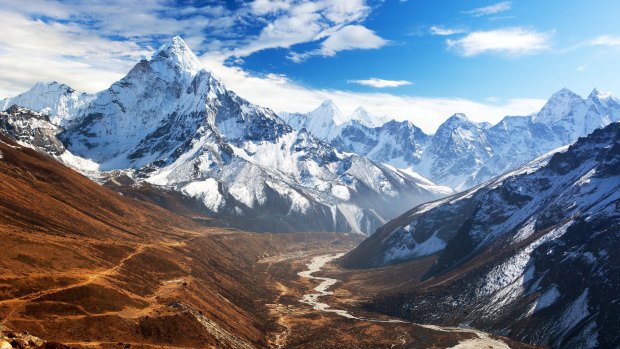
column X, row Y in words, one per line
column 82, row 264
column 39, row 192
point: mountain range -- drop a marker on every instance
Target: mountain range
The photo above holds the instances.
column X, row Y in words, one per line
column 531, row 254
column 463, row 153
column 172, row 124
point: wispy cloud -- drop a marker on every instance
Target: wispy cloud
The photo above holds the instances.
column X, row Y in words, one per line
column 282, row 94
column 95, row 40
column 602, row 41
column 491, row 9
column 380, row 83
column 605, row 40
column 582, row 67
column 350, row 37
column 61, row 52
column 328, row 23
column 443, row 31
column 512, row 41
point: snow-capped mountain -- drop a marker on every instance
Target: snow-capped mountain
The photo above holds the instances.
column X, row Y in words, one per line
column 171, row 123
column 58, row 101
column 395, row 143
column 327, row 121
column 362, row 116
column 531, row 254
column 463, row 153
column 322, row 122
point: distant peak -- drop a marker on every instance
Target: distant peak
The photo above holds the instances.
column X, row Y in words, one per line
column 361, row 109
column 327, row 111
column 457, row 120
column 328, row 103
column 598, row 94
column 176, row 44
column 47, row 85
column 558, row 106
column 459, row 116
column 565, row 93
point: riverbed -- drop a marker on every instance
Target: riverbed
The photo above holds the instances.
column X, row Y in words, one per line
column 313, row 300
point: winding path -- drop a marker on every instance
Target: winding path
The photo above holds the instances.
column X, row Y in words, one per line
column 484, row 340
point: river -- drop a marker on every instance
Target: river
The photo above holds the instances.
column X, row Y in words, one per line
column 312, row 299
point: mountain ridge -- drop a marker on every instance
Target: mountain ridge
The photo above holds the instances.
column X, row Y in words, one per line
column 463, row 153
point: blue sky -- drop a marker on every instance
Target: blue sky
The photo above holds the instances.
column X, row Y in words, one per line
column 421, row 60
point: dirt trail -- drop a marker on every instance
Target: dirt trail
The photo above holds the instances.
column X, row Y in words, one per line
column 20, row 301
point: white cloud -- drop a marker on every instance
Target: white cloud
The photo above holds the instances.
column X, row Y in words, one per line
column 299, row 22
column 491, row 9
column 380, row 83
column 32, row 50
column 513, row 41
column 582, row 67
column 74, row 40
column 263, row 7
column 605, row 40
column 348, row 38
column 130, row 19
column 442, row 31
column 281, row 94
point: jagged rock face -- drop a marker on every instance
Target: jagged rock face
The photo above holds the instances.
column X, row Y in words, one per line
column 36, row 130
column 392, row 142
column 28, row 127
column 532, row 254
column 171, row 123
column 322, row 122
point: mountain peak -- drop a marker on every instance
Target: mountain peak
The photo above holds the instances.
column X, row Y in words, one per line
column 565, row 91
column 328, row 103
column 565, row 96
column 600, row 95
column 558, row 106
column 327, row 109
column 177, row 54
column 365, row 118
column 458, row 117
column 361, row 110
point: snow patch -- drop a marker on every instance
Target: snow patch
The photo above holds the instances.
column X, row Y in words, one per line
column 207, row 191
column 341, row 192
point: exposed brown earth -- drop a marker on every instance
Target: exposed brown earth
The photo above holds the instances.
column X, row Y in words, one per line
column 85, row 266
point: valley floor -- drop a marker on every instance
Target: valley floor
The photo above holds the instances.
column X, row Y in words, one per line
column 342, row 323
column 154, row 295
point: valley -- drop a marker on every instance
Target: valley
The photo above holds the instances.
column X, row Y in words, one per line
column 89, row 274
column 313, row 318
